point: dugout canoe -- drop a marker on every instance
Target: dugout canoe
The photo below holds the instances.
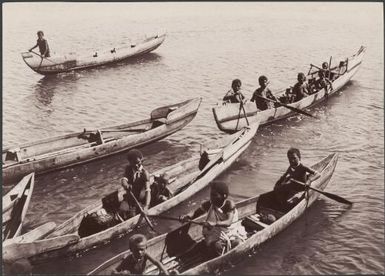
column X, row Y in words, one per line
column 230, row 116
column 183, row 250
column 80, row 147
column 15, row 206
column 73, row 61
column 187, row 180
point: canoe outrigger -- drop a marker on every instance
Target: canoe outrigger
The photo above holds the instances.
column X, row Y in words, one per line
column 188, row 179
column 230, row 116
column 183, row 249
column 71, row 62
column 77, row 148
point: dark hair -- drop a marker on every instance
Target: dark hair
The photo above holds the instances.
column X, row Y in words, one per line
column 294, row 151
column 261, row 79
column 134, row 154
column 236, row 82
column 325, row 65
column 301, row 76
column 220, row 187
column 40, row 32
column 136, row 239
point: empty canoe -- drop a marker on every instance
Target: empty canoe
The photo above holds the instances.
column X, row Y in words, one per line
column 76, row 148
column 15, row 206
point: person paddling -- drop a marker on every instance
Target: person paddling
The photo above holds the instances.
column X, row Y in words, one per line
column 301, row 88
column 42, row 44
column 265, row 92
column 234, row 95
column 323, row 82
column 285, row 189
column 137, row 181
column 219, row 230
column 135, row 263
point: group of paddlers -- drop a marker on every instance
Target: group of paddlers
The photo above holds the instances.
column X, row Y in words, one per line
column 265, row 99
column 220, row 230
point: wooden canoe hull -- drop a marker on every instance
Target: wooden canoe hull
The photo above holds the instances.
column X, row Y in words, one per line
column 71, row 62
column 69, row 150
column 226, row 115
column 15, row 206
column 166, row 249
column 189, row 178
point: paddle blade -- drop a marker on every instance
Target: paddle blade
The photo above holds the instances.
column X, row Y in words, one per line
column 337, row 198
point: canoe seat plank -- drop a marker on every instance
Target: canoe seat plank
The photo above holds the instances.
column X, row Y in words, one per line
column 253, row 223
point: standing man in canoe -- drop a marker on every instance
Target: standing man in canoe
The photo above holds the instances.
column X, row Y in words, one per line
column 286, row 189
column 136, row 182
column 265, row 92
column 234, row 95
column 301, row 88
column 219, row 230
column 43, row 45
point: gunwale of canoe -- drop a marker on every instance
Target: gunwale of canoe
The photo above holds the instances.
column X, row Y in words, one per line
column 72, row 62
column 226, row 115
column 219, row 162
column 23, row 192
column 69, row 150
column 160, row 251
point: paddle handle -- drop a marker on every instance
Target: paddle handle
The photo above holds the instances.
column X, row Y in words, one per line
column 141, row 210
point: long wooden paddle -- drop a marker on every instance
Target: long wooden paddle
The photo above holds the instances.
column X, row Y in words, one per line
column 288, row 106
column 141, row 211
column 118, row 130
column 329, row 195
column 176, row 219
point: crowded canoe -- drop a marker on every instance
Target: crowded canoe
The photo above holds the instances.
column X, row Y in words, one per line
column 79, row 147
column 253, row 221
column 182, row 180
column 46, row 63
column 318, row 85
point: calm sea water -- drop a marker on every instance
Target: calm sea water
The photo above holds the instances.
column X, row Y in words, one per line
column 208, row 45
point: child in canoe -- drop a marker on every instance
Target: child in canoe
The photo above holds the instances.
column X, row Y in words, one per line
column 265, row 92
column 43, row 45
column 219, row 230
column 135, row 263
column 234, row 95
column 136, row 180
column 286, row 189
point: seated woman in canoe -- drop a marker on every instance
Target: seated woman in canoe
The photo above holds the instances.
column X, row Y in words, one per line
column 136, row 182
column 301, row 88
column 286, row 189
column 219, row 230
column 265, row 92
column 234, row 95
column 135, row 263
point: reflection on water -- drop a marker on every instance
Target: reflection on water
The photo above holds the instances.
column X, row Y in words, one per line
column 47, row 86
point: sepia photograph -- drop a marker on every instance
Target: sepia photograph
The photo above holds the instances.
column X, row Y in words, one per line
column 217, row 138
